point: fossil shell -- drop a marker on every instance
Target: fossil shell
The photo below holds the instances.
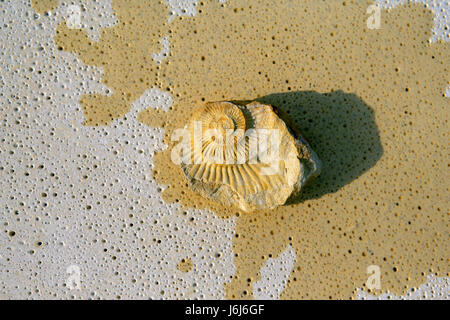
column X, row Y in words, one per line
column 232, row 164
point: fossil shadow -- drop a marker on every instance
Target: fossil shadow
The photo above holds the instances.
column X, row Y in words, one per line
column 340, row 128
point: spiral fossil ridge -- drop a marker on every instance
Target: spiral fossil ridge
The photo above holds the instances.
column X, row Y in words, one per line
column 243, row 155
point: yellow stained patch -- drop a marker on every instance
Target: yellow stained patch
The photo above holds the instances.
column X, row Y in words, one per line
column 42, row 6
column 185, row 265
column 370, row 102
column 125, row 53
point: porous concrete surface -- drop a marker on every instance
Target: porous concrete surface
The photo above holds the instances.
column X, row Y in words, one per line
column 77, row 201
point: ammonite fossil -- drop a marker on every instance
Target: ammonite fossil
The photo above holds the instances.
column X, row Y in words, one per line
column 243, row 155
